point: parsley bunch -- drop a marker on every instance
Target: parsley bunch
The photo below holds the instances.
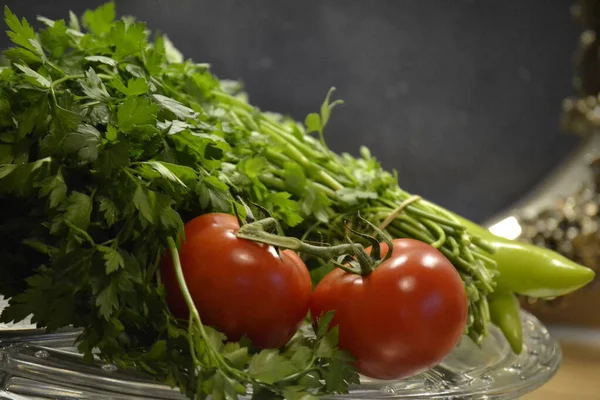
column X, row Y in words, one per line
column 109, row 141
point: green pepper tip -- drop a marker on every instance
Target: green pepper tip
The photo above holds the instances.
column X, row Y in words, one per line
column 530, row 270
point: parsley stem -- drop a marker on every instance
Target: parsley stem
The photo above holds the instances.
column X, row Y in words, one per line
column 289, row 142
column 54, row 67
column 195, row 317
column 272, row 181
column 294, row 377
column 183, row 286
column 64, row 79
column 73, row 77
column 299, row 157
column 419, row 210
column 269, row 179
column 441, row 235
column 380, row 213
column 310, row 156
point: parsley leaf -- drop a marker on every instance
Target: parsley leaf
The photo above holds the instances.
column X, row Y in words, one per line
column 102, row 59
column 134, row 112
column 84, row 142
column 165, row 172
column 48, row 301
column 143, row 201
column 109, row 209
column 269, row 366
column 93, row 87
column 113, row 156
column 339, row 375
column 135, row 86
column 22, row 34
column 283, row 207
column 316, row 203
column 178, row 109
column 35, row 78
column 236, row 354
column 171, row 53
column 114, row 260
column 352, row 196
column 128, row 39
column 55, row 37
column 67, row 114
column 155, row 56
column 98, row 21
column 107, row 300
column 295, row 178
column 74, row 22
column 214, row 194
column 55, row 188
column 326, row 107
column 172, row 127
column 313, row 122
column 205, row 150
column 78, row 210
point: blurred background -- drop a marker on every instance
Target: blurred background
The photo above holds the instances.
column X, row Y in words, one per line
column 463, row 98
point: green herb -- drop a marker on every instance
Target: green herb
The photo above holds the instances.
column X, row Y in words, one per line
column 110, row 142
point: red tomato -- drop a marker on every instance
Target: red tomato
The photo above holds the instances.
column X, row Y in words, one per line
column 240, row 287
column 404, row 317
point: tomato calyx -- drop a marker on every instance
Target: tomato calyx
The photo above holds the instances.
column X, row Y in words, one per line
column 350, row 256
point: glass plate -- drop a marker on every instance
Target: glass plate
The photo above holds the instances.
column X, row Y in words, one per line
column 35, row 365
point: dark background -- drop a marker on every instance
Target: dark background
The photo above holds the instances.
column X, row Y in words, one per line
column 461, row 97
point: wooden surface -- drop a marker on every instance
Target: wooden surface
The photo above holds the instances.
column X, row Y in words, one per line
column 579, row 376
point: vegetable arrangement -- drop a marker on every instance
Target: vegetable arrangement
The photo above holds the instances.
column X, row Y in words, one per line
column 130, row 182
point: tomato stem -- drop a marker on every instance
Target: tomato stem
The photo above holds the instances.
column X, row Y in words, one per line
column 256, row 232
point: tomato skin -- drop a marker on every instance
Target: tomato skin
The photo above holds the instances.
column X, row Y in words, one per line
column 403, row 318
column 239, row 287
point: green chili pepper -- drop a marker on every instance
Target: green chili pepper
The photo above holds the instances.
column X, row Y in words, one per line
column 505, row 313
column 531, row 270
